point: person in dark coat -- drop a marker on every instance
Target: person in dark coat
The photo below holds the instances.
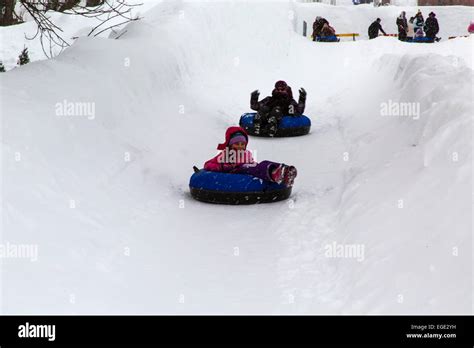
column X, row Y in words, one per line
column 318, row 25
column 431, row 26
column 327, row 31
column 271, row 110
column 402, row 25
column 374, row 29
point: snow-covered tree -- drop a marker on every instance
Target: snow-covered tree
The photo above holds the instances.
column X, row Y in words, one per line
column 50, row 33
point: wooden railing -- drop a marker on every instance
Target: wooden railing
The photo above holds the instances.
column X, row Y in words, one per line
column 353, row 35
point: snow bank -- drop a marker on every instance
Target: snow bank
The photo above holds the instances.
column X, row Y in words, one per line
column 407, row 197
column 104, row 196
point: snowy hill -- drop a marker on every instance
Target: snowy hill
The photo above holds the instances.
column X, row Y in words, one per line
column 104, row 195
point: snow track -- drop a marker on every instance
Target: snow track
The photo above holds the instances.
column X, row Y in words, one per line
column 106, row 198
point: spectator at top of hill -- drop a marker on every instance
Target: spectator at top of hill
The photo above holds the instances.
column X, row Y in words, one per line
column 402, row 25
column 374, row 29
column 327, row 30
column 431, row 26
column 318, row 25
column 410, row 28
column 419, row 21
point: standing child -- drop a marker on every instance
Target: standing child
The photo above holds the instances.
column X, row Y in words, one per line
column 235, row 158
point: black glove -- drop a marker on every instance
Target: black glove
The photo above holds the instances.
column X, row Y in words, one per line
column 302, row 93
column 254, row 100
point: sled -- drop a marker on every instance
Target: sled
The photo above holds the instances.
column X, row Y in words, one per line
column 289, row 126
column 234, row 189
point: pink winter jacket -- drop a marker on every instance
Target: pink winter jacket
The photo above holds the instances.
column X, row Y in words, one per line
column 470, row 29
column 227, row 161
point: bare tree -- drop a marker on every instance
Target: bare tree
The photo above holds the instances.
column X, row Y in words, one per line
column 108, row 13
column 7, row 9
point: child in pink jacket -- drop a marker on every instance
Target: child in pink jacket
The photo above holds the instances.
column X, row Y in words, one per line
column 470, row 28
column 235, row 158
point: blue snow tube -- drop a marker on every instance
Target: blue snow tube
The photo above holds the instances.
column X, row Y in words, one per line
column 289, row 126
column 227, row 188
column 329, row 38
column 421, row 40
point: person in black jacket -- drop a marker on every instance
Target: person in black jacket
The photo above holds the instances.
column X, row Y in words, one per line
column 318, row 26
column 402, row 25
column 431, row 27
column 374, row 29
column 271, row 110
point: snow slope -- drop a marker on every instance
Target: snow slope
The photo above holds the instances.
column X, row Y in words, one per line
column 105, row 196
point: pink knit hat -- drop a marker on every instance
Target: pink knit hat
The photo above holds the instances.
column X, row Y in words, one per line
column 237, row 138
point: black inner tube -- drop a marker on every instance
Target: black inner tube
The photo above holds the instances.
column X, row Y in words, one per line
column 281, row 132
column 235, row 198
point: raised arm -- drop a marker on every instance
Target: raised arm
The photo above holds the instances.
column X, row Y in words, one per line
column 254, row 105
column 301, row 102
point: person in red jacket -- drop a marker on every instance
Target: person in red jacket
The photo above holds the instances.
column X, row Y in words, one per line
column 235, row 158
column 470, row 28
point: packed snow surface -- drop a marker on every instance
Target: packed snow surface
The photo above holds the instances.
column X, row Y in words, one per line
column 98, row 146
